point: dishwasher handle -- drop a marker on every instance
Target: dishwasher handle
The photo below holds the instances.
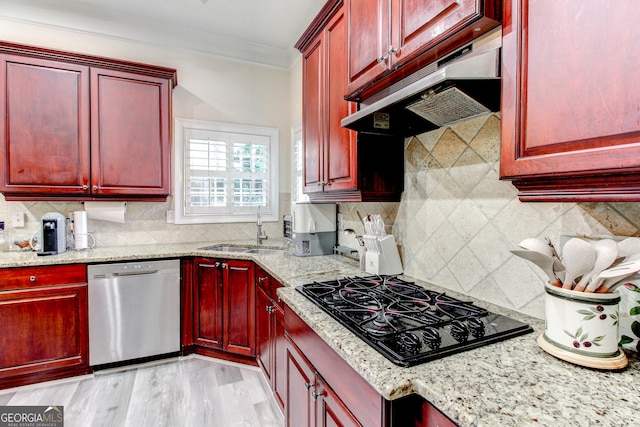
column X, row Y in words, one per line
column 134, row 273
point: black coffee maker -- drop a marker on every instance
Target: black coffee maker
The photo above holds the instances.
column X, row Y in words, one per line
column 54, row 234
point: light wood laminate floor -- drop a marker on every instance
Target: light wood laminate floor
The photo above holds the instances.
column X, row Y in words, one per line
column 183, row 392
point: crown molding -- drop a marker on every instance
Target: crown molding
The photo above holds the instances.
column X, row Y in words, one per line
column 148, row 33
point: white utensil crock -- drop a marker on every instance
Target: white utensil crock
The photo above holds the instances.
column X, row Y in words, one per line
column 582, row 328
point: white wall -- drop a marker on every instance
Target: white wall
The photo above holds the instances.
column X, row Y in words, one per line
column 208, row 88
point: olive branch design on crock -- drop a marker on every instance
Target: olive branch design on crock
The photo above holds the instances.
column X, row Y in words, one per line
column 634, row 311
column 581, row 339
column 598, row 311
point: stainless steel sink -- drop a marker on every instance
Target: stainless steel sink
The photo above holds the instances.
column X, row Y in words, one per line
column 226, row 248
column 263, row 250
column 243, row 249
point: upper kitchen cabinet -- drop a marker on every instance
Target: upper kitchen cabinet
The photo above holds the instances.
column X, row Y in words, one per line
column 390, row 39
column 570, row 127
column 335, row 167
column 329, row 150
column 76, row 127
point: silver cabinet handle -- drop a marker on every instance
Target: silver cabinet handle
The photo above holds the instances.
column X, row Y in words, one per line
column 32, row 278
column 85, row 187
column 393, row 51
column 382, row 59
column 95, row 188
column 307, row 385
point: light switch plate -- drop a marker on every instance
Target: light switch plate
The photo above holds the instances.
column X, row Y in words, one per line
column 17, row 220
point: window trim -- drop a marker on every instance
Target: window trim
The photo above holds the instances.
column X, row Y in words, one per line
column 182, row 126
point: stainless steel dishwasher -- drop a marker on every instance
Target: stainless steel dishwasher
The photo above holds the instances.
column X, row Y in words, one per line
column 134, row 310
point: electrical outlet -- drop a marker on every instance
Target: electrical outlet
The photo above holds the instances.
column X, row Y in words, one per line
column 340, row 223
column 17, row 220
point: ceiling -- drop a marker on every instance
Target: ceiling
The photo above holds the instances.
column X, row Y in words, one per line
column 258, row 31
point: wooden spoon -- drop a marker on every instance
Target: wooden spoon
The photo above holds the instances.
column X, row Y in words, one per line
column 578, row 258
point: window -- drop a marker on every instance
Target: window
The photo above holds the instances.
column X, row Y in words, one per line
column 224, row 172
column 297, row 165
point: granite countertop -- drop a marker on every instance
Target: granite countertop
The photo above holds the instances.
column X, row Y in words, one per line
column 511, row 383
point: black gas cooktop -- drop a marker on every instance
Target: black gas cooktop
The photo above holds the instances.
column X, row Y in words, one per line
column 407, row 323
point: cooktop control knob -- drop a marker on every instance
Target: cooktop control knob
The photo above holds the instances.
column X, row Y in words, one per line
column 459, row 331
column 476, row 326
column 432, row 337
column 410, row 342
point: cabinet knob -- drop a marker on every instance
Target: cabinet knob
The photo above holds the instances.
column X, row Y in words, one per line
column 262, row 279
column 393, row 51
column 382, row 58
column 216, row 265
column 315, row 395
column 95, row 188
column 224, row 265
column 307, row 385
column 32, row 278
column 85, row 187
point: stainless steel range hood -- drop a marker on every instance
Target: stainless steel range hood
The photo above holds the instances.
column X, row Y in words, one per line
column 460, row 85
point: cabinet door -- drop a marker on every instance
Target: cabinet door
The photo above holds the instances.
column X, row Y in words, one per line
column 44, row 126
column 330, row 410
column 570, row 128
column 418, row 25
column 279, row 374
column 130, row 134
column 368, row 41
column 340, row 143
column 207, row 303
column 239, row 307
column 299, row 407
column 312, row 129
column 43, row 329
column 264, row 345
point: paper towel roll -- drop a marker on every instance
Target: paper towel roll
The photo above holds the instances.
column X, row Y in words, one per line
column 106, row 211
column 80, row 231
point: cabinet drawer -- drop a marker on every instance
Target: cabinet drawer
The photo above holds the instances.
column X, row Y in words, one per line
column 37, row 277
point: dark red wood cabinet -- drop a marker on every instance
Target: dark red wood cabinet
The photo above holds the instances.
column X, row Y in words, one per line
column 270, row 343
column 569, row 116
column 44, row 324
column 390, row 39
column 329, row 149
column 223, row 307
column 338, row 163
column 310, row 400
column 323, row 390
column 81, row 128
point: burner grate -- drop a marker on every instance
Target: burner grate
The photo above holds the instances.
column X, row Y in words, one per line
column 407, row 323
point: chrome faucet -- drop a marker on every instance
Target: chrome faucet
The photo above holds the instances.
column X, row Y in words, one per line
column 262, row 235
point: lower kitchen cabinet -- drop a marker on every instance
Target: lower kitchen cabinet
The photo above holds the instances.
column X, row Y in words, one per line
column 44, row 324
column 223, row 298
column 323, row 390
column 270, row 343
column 310, row 400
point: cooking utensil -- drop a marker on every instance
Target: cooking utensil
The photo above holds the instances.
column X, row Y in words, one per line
column 604, row 286
column 544, row 247
column 379, row 225
column 578, row 258
column 545, row 262
column 535, row 244
column 606, row 253
column 553, row 248
column 629, row 246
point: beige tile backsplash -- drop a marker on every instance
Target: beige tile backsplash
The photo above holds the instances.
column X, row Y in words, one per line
column 455, row 224
column 457, row 221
